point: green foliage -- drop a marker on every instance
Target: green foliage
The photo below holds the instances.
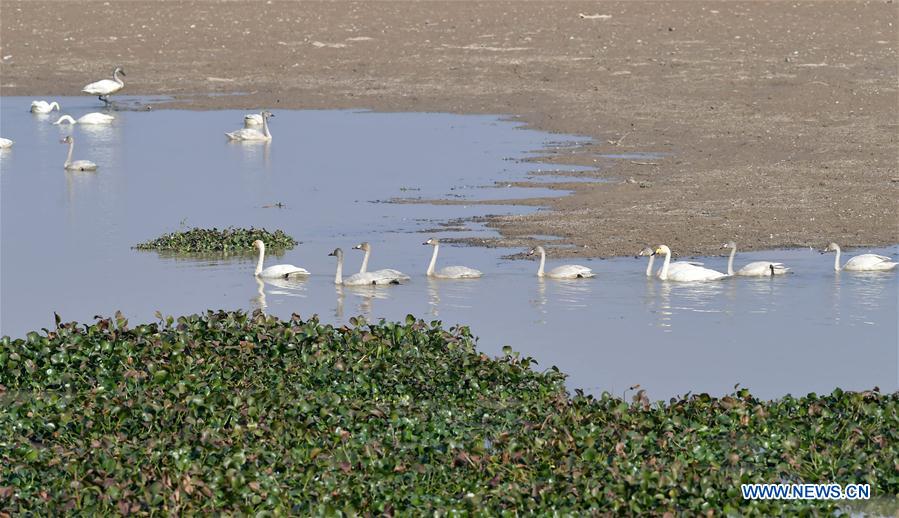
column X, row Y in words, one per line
column 236, row 413
column 215, row 240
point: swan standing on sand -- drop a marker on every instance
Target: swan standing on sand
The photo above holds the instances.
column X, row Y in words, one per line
column 282, row 271
column 357, row 279
column 90, row 118
column 253, row 133
column 755, row 268
column 861, row 263
column 686, row 273
column 449, row 272
column 252, row 119
column 43, row 106
column 106, row 87
column 567, row 271
column 385, row 276
column 5, row 143
column 77, row 165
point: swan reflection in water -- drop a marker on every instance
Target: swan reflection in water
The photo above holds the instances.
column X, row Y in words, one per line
column 694, row 297
column 457, row 293
column 367, row 295
column 293, row 287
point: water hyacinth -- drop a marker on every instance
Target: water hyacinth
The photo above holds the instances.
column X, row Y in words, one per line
column 237, row 413
column 215, row 240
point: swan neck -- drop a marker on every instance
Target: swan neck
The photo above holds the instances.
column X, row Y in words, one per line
column 433, row 262
column 116, row 78
column 265, row 126
column 260, row 260
column 652, row 259
column 664, row 275
column 69, row 156
column 730, row 261
column 542, row 263
column 364, row 267
column 338, row 278
column 54, row 106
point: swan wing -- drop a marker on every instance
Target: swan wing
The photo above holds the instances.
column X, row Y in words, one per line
column 869, row 262
column 252, row 119
column 388, row 276
column 83, row 165
column 283, row 270
column 760, row 268
column 102, row 87
column 459, row 272
column 571, row 271
column 5, row 143
column 694, row 273
column 247, row 134
column 96, row 118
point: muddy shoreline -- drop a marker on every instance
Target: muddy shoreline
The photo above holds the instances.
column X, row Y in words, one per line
column 779, row 120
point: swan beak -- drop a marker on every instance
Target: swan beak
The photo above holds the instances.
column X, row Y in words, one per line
column 426, row 243
column 123, row 73
column 331, row 254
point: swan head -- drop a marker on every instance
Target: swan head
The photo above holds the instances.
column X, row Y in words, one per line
column 366, row 247
column 832, row 247
column 645, row 252
column 432, row 241
column 119, row 70
column 729, row 244
column 258, row 244
column 67, row 140
column 267, row 114
column 662, row 250
column 536, row 250
column 336, row 253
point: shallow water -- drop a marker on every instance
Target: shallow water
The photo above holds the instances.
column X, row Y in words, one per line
column 66, row 241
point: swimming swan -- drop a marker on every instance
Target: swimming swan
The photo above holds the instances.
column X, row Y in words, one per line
column 647, row 251
column 252, row 119
column 43, row 106
column 385, row 276
column 755, row 268
column 357, row 279
column 5, row 143
column 567, row 271
column 861, row 263
column 253, row 133
column 686, row 273
column 77, row 165
column 449, row 272
column 282, row 271
column 106, row 87
column 90, row 118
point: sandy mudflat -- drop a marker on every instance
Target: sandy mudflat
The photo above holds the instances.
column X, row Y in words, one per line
column 780, row 117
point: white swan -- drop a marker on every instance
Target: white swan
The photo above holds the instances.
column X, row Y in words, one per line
column 252, row 119
column 687, row 272
column 755, row 268
column 77, row 165
column 385, row 276
column 5, row 143
column 282, row 271
column 861, row 263
column 106, row 87
column 449, row 272
column 90, row 118
column 357, row 279
column 253, row 133
column 43, row 106
column 567, row 271
column 647, row 251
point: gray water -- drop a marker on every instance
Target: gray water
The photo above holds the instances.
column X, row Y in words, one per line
column 66, row 241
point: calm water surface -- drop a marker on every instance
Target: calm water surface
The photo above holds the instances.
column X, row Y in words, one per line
column 66, row 241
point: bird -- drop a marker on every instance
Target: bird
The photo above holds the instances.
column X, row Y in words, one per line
column 357, row 279
column 449, row 272
column 385, row 276
column 43, row 106
column 647, row 251
column 252, row 119
column 77, row 165
column 90, row 118
column 755, row 268
column 278, row 271
column 253, row 133
column 5, row 143
column 861, row 263
column 106, row 87
column 686, row 273
column 567, row 271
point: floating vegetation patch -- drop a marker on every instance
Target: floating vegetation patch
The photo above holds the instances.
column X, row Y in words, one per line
column 234, row 413
column 215, row 240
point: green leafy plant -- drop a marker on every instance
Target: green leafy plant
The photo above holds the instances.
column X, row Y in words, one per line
column 215, row 240
column 233, row 413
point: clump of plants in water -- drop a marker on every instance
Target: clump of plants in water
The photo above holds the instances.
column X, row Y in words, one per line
column 215, row 240
column 235, row 413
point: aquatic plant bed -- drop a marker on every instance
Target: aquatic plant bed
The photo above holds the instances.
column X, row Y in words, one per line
column 238, row 413
column 215, row 240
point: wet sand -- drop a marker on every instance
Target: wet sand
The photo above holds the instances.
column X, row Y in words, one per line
column 779, row 120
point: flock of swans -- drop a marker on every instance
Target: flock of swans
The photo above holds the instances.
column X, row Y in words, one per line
column 680, row 271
